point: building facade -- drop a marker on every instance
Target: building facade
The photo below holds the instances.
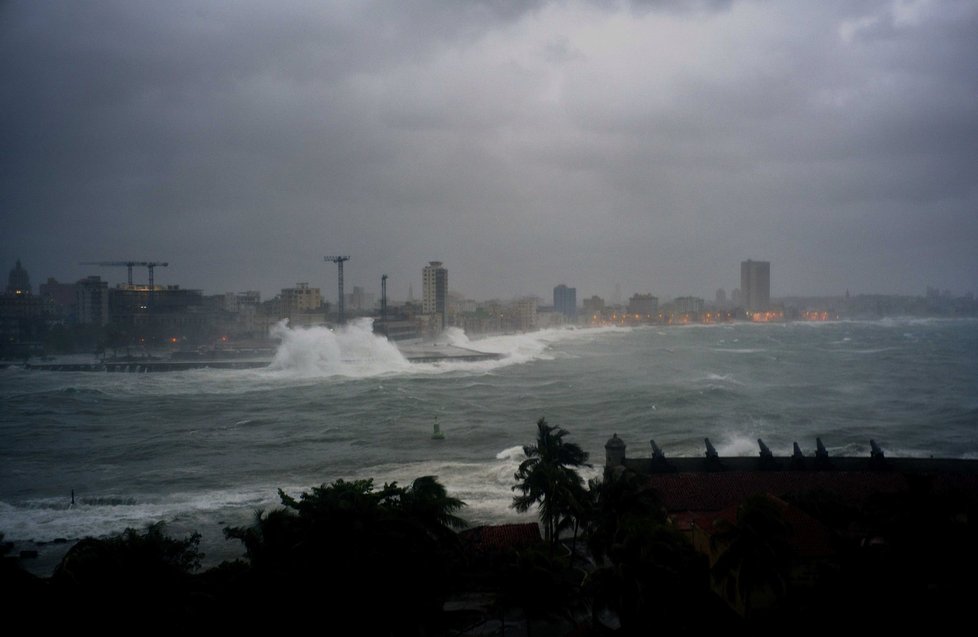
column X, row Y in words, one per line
column 565, row 301
column 92, row 301
column 688, row 305
column 645, row 305
column 435, row 291
column 302, row 305
column 755, row 285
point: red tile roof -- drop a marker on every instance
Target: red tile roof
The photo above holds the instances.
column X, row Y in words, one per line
column 696, row 491
column 808, row 536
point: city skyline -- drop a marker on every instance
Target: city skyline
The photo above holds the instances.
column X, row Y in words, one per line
column 645, row 145
column 328, row 288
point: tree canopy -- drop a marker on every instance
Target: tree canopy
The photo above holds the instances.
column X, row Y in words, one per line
column 343, row 545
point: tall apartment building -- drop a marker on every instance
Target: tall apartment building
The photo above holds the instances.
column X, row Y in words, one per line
column 526, row 314
column 92, row 301
column 435, row 291
column 755, row 285
column 565, row 301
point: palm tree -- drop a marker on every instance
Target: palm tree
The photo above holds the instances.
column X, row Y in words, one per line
column 548, row 477
column 428, row 504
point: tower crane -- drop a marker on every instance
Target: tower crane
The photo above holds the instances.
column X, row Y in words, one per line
column 149, row 265
column 339, row 264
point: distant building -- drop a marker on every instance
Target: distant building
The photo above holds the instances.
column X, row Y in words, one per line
column 18, row 282
column 92, row 301
column 593, row 305
column 302, row 305
column 687, row 305
column 435, row 291
column 241, row 301
column 526, row 314
column 565, row 301
column 645, row 305
column 62, row 294
column 755, row 285
column 239, row 314
column 721, row 298
column 359, row 300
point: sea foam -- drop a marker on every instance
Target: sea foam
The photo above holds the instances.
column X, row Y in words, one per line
column 351, row 350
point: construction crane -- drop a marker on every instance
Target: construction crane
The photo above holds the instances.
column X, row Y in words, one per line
column 339, row 264
column 149, row 265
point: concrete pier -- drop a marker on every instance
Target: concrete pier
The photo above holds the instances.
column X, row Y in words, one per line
column 415, row 353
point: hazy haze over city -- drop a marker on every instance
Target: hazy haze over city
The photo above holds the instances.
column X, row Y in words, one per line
column 654, row 145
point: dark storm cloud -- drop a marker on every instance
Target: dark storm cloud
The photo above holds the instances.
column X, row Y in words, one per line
column 652, row 144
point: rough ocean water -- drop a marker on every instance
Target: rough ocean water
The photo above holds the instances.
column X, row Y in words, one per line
column 204, row 449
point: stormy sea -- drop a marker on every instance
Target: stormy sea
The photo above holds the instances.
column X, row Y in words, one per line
column 205, row 449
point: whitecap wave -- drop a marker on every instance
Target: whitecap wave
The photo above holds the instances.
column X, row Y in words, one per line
column 486, row 487
column 512, row 453
column 351, row 350
column 47, row 519
column 354, row 351
column 737, row 445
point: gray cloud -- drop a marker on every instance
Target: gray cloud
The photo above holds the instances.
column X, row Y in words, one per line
column 648, row 144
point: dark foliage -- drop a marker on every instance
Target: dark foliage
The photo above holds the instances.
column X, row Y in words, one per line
column 755, row 553
column 132, row 575
column 649, row 574
column 349, row 551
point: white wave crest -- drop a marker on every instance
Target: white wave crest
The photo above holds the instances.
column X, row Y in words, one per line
column 737, row 445
column 352, row 350
column 485, row 486
column 512, row 453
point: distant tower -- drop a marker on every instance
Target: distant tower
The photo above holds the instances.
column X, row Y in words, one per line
column 18, row 282
column 565, row 301
column 721, row 298
column 755, row 285
column 614, row 451
column 435, row 291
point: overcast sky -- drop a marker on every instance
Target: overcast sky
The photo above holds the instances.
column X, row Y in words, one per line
column 653, row 145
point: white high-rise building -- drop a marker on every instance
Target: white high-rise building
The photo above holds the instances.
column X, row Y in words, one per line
column 435, row 290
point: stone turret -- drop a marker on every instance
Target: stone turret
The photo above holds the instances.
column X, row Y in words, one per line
column 615, row 451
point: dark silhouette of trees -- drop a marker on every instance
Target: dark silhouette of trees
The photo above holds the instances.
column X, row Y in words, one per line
column 346, row 548
column 548, row 477
column 136, row 574
column 647, row 572
column 755, row 552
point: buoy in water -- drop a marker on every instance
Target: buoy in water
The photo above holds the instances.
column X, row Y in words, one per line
column 437, row 434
